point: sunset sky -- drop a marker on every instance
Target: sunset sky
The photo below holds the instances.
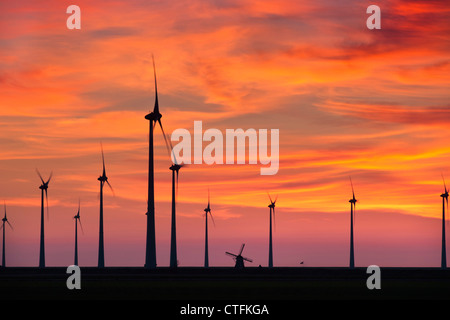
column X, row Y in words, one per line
column 348, row 101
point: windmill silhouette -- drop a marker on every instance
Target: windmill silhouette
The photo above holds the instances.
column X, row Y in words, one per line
column 207, row 210
column 77, row 220
column 239, row 258
column 173, row 233
column 153, row 117
column 444, row 203
column 43, row 187
column 101, row 249
column 272, row 213
column 4, row 220
column 352, row 212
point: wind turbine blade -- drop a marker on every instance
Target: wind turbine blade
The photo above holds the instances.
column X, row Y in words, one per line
column 81, row 226
column 270, row 198
column 273, row 213
column 242, row 249
column 354, row 213
column 208, row 198
column 156, row 107
column 9, row 225
column 109, row 185
column 46, row 200
column 103, row 160
column 49, row 178
column 445, row 187
column 446, row 200
column 39, row 174
column 169, row 149
column 351, row 182
column 212, row 218
column 275, row 199
column 176, row 188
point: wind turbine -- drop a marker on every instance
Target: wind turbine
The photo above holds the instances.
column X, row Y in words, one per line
column 207, row 210
column 101, row 250
column 173, row 233
column 239, row 258
column 352, row 212
column 4, row 220
column 272, row 213
column 175, row 168
column 77, row 220
column 153, row 117
column 43, row 187
column 444, row 201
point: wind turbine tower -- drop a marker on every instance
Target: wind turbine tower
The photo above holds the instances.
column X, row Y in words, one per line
column 153, row 117
column 207, row 210
column 4, row 220
column 173, row 235
column 271, row 214
column 444, row 202
column 101, row 249
column 77, row 220
column 43, row 187
column 352, row 212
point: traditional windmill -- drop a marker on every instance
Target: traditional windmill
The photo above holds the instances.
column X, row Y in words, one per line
column 239, row 258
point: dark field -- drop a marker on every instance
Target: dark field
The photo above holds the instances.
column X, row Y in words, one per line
column 252, row 283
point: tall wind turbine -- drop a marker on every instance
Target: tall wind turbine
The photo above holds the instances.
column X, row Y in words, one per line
column 272, row 213
column 101, row 250
column 173, row 231
column 43, row 187
column 352, row 212
column 4, row 220
column 153, row 117
column 77, row 220
column 207, row 210
column 444, row 201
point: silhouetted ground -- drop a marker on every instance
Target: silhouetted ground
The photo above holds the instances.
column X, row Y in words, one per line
column 252, row 283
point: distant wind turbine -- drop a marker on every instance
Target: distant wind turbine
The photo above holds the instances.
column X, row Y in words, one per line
column 175, row 168
column 4, row 220
column 153, row 117
column 271, row 214
column 101, row 250
column 77, row 220
column 444, row 203
column 207, row 210
column 352, row 212
column 43, row 187
column 173, row 231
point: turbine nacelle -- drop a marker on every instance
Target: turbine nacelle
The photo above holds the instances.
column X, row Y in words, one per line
column 102, row 178
column 175, row 167
column 445, row 194
column 44, row 185
column 152, row 116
